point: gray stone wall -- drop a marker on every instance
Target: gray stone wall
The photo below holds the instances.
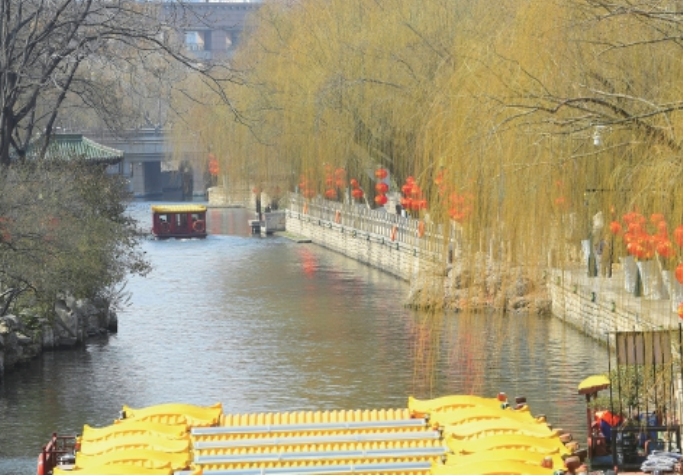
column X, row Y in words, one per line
column 599, row 306
column 405, row 262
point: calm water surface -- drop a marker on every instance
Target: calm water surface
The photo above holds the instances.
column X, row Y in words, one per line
column 264, row 325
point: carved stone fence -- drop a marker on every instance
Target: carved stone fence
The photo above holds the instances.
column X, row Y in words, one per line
column 397, row 244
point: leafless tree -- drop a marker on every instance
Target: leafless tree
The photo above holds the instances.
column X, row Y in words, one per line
column 60, row 54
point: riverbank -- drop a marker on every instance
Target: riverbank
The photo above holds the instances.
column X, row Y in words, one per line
column 435, row 283
column 597, row 306
column 266, row 325
column 24, row 337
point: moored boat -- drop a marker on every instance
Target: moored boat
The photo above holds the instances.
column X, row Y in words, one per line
column 461, row 434
column 179, row 221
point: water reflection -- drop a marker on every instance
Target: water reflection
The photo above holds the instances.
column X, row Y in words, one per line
column 264, row 324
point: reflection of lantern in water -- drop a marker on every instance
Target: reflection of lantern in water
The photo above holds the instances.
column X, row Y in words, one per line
column 309, row 263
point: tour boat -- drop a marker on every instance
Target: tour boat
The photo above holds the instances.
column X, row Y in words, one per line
column 178, row 221
column 457, row 434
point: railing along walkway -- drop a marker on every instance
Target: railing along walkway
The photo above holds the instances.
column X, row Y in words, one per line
column 418, row 236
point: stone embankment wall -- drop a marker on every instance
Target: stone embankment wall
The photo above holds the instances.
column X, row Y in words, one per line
column 601, row 306
column 374, row 249
column 395, row 244
column 22, row 338
column 598, row 306
column 419, row 253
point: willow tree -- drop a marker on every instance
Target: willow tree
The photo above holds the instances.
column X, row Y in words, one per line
column 541, row 115
column 340, row 83
column 104, row 59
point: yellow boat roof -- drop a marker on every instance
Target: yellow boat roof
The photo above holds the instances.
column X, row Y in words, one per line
column 178, row 208
column 485, row 439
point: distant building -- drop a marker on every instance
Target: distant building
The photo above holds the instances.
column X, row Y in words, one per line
column 67, row 147
column 211, row 29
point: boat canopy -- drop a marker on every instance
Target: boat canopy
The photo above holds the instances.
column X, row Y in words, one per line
column 593, row 384
column 179, row 208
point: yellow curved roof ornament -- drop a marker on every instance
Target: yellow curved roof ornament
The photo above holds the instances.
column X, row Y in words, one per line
column 525, row 456
column 545, row 446
column 496, row 426
column 464, row 415
column 126, row 442
column 195, row 415
column 452, row 401
column 132, row 426
column 491, row 467
column 142, row 458
column 107, row 469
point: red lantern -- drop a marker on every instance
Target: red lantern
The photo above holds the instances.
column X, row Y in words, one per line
column 635, row 249
column 680, row 310
column 615, row 227
column 331, row 194
column 340, row 173
column 406, row 189
column 354, row 183
column 410, row 180
column 415, row 190
column 458, row 216
column 635, row 228
column 665, row 249
column 679, row 273
column 656, row 218
column 382, row 188
column 381, row 173
column 381, row 200
column 357, row 193
column 662, row 228
column 407, row 203
column 213, row 165
column 678, row 235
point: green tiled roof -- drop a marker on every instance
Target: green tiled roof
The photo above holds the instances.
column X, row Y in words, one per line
column 73, row 146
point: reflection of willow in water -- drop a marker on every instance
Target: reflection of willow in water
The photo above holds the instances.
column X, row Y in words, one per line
column 486, row 353
column 426, row 335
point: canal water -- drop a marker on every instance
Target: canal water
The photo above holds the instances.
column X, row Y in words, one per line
column 269, row 325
